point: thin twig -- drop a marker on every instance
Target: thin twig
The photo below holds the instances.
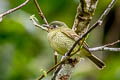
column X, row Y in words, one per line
column 102, row 48
column 111, row 44
column 13, row 10
column 106, row 47
column 108, row 9
column 34, row 20
column 40, row 12
column 93, row 26
column 100, row 20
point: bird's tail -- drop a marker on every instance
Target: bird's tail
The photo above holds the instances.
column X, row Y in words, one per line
column 97, row 61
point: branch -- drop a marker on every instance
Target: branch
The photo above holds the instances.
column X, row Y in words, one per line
column 102, row 48
column 13, row 10
column 107, row 9
column 40, row 12
column 111, row 44
column 106, row 47
column 100, row 20
column 85, row 12
column 34, row 20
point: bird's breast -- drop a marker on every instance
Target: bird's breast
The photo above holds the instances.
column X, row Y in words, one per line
column 60, row 42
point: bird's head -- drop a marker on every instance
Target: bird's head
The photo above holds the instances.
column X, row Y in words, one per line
column 57, row 24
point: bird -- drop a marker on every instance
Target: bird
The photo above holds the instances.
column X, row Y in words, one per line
column 61, row 38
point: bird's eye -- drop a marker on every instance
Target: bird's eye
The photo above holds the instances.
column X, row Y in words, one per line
column 54, row 26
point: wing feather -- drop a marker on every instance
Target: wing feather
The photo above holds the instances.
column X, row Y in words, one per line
column 71, row 34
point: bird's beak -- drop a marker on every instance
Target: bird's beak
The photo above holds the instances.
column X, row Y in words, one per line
column 45, row 25
column 48, row 26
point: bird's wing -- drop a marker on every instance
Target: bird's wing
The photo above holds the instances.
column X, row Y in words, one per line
column 71, row 34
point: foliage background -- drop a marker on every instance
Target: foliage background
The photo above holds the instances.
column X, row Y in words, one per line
column 24, row 49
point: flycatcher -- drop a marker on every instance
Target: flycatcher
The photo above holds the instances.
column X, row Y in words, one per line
column 61, row 38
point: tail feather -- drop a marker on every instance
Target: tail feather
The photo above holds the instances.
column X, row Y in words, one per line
column 97, row 61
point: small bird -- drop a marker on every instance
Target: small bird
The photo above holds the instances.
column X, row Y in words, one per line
column 61, row 38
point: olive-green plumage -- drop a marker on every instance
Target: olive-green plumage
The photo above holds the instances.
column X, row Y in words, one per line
column 61, row 39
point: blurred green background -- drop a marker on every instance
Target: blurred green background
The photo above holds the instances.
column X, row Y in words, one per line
column 24, row 49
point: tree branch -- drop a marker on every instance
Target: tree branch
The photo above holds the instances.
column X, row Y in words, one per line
column 111, row 44
column 100, row 20
column 102, row 48
column 106, row 47
column 13, row 10
column 40, row 12
column 85, row 12
column 34, row 20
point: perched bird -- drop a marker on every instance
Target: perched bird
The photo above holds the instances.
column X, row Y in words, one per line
column 61, row 38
